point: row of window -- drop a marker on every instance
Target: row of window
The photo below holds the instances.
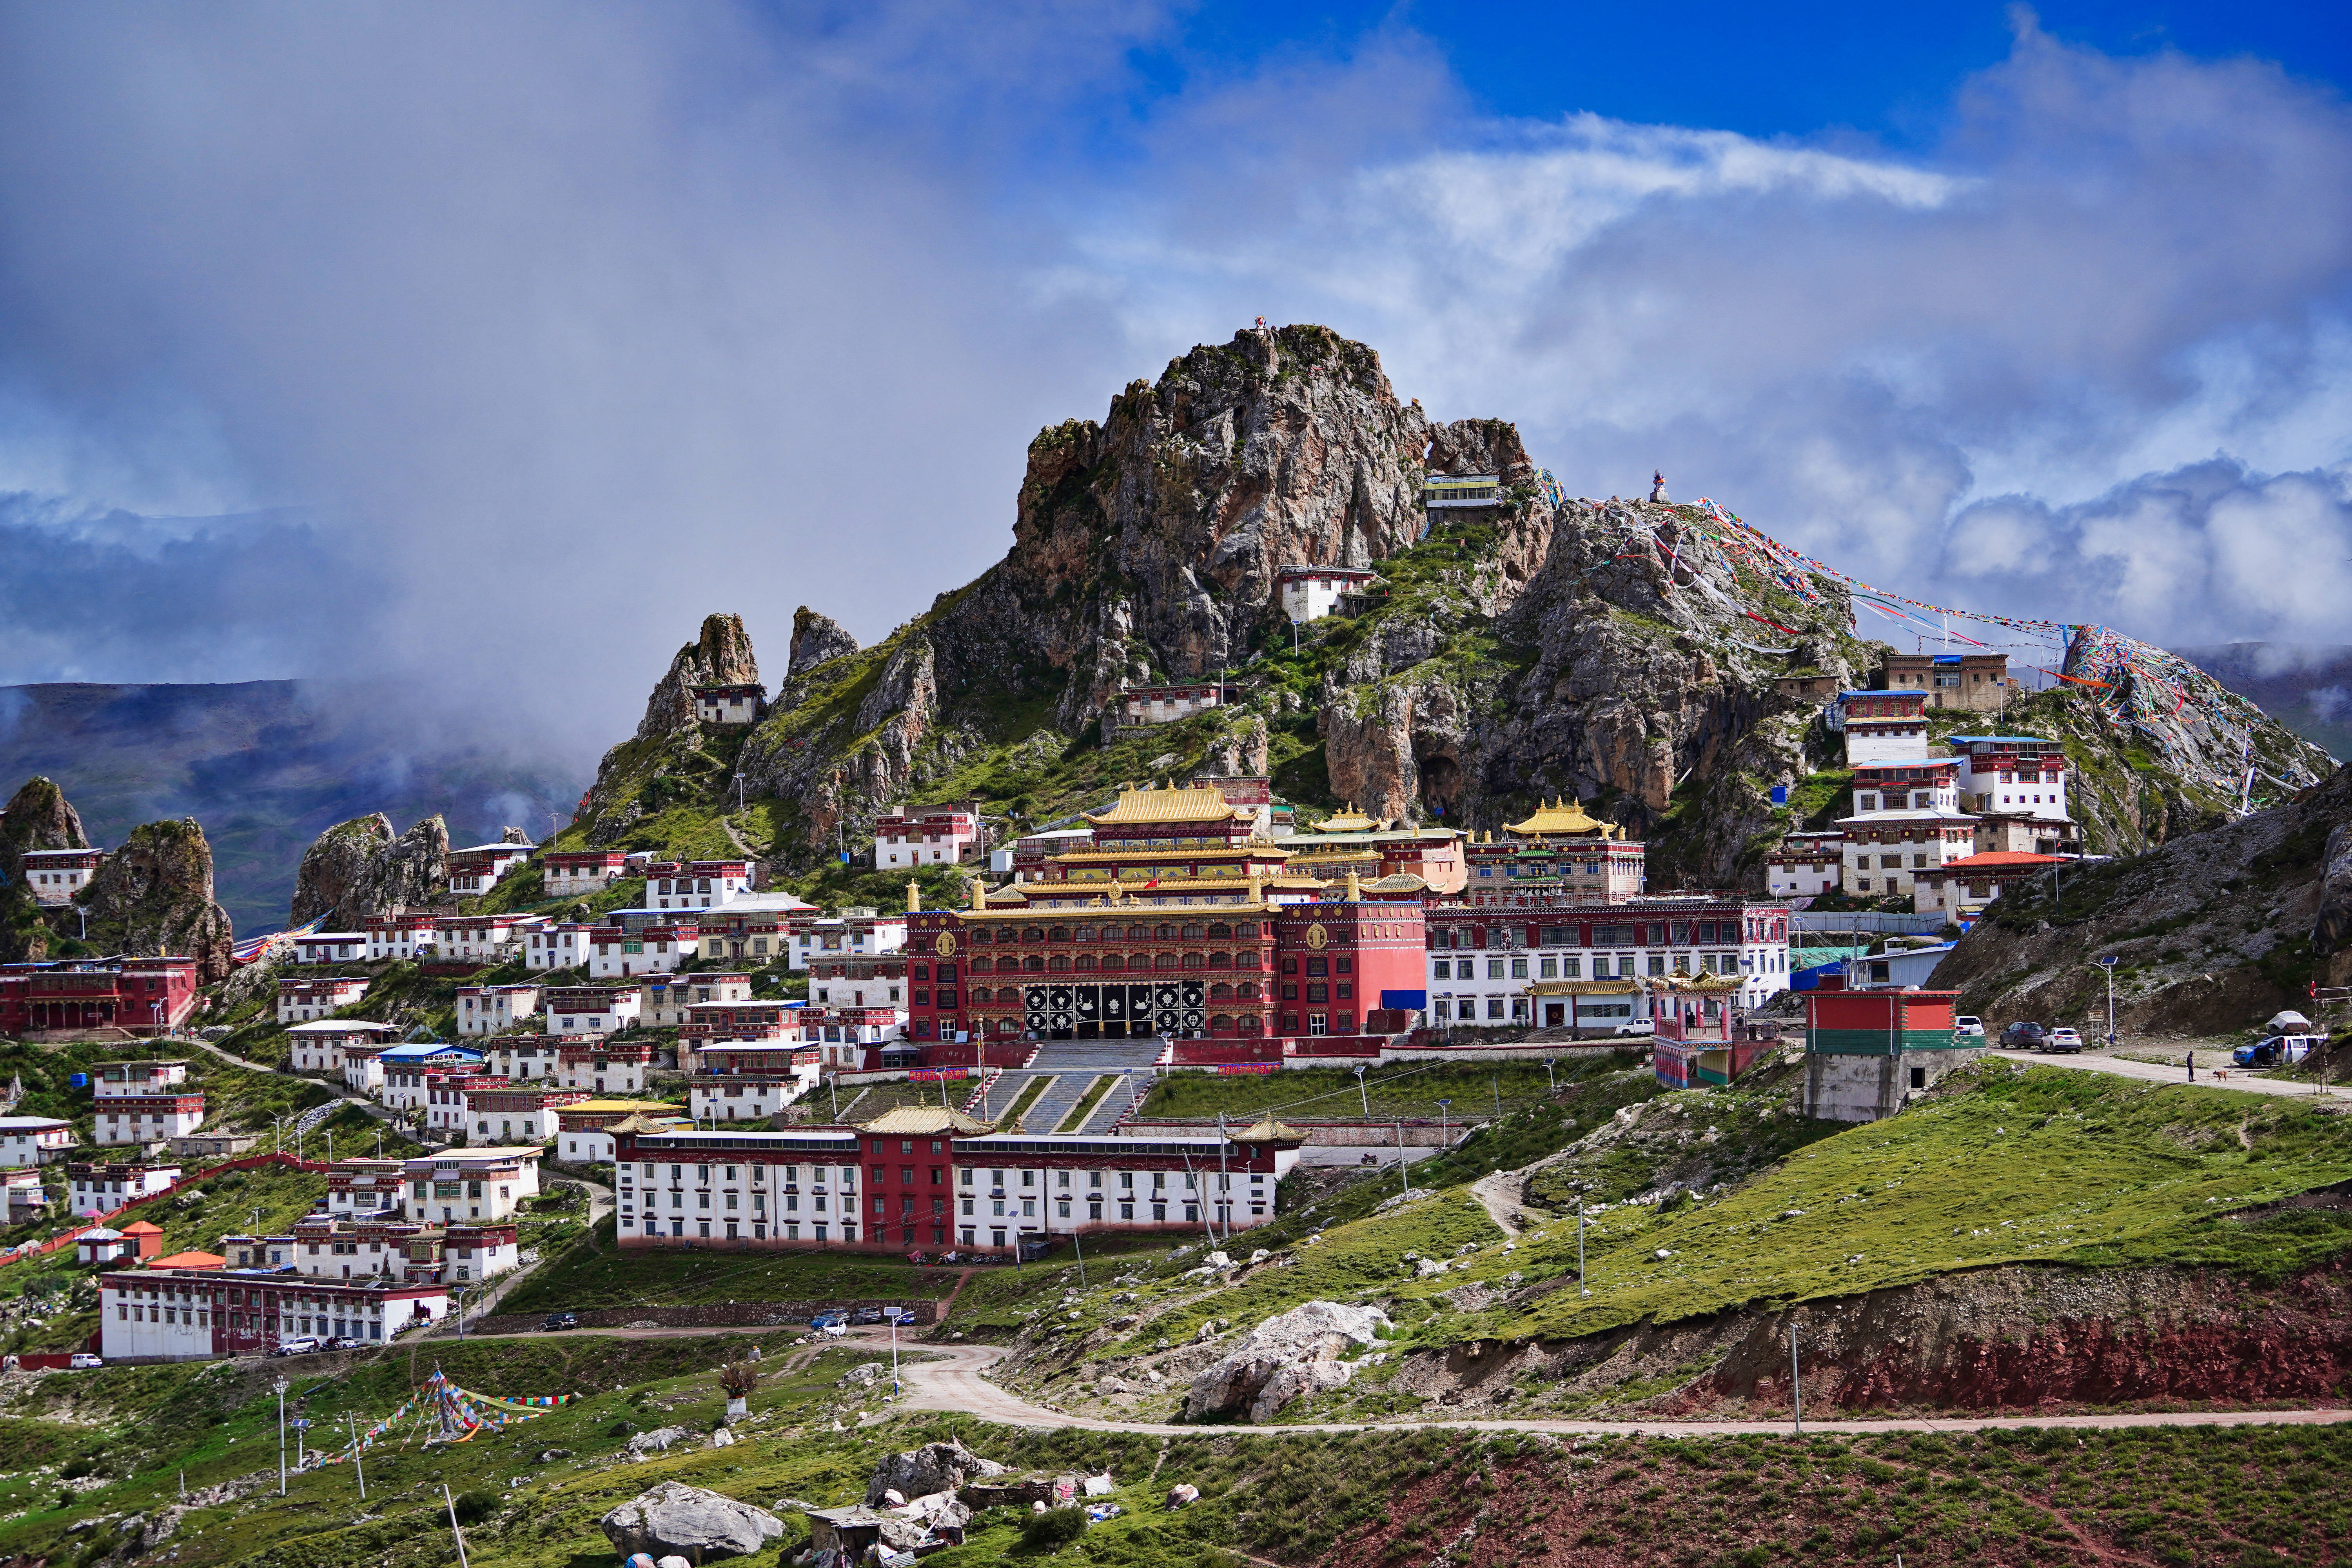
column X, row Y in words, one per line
column 1572, row 967
column 1032, row 935
column 1659, row 933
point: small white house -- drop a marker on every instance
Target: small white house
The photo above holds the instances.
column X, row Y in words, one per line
column 1805, row 865
column 495, row 1009
column 475, row 870
column 1311, row 593
column 925, row 835
column 483, row 939
column 856, row 930
column 1165, row 704
column 523, row 1058
column 696, row 884
column 403, row 937
column 318, row 1046
column 604, row 1065
column 729, row 704
column 55, row 876
column 102, row 1189
column 591, row 1009
column 618, row 952
column 34, row 1140
column 306, row 1001
column 581, row 873
column 331, row 947
column 564, row 946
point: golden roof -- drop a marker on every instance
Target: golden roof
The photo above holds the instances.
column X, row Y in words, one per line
column 1163, row 803
column 1347, row 821
column 641, row 1122
column 1694, row 984
column 930, row 1121
column 1562, row 816
column 1584, row 987
column 1269, row 1131
column 1397, row 882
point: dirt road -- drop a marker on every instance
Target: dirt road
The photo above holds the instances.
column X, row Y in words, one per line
column 956, row 1381
column 2208, row 1076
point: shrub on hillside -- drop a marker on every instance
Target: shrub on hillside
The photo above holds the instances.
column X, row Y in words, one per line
column 1054, row 1527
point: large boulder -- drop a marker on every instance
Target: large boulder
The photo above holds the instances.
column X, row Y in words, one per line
column 38, row 817
column 700, row 1526
column 358, row 868
column 1284, row 1358
column 933, row 1468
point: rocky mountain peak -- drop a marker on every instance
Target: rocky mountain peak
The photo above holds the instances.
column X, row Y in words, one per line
column 38, row 817
column 815, row 638
column 720, row 655
column 154, row 895
column 357, row 869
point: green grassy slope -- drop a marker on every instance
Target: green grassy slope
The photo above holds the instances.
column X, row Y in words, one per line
column 114, row 1444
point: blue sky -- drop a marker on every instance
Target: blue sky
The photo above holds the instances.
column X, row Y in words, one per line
column 448, row 340
column 1885, row 71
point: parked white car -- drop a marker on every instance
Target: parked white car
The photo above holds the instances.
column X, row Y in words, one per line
column 1969, row 1025
column 1640, row 1028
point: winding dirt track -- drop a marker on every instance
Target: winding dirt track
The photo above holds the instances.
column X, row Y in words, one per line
column 957, row 1382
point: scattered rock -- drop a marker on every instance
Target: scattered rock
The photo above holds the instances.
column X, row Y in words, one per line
column 674, row 1518
column 657, row 1441
column 723, row 1438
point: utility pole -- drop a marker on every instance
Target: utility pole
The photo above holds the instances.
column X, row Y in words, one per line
column 1445, row 1132
column 1404, row 1168
column 1362, row 1095
column 1221, row 1209
column 1796, row 1393
column 281, row 1436
column 1581, row 1289
column 451, row 1504
column 1498, row 1096
column 2108, row 964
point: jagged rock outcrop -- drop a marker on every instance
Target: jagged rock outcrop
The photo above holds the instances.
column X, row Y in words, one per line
column 154, row 895
column 1633, row 655
column 513, row 835
column 1143, row 545
column 38, row 817
column 1624, row 677
column 816, row 640
column 358, row 868
column 664, row 762
column 721, row 655
column 920, row 1472
column 1295, row 1353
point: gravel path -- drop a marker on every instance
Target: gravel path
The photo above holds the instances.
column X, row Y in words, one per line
column 958, row 1381
column 2207, row 1077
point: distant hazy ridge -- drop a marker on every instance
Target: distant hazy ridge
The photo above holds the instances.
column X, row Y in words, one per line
column 265, row 765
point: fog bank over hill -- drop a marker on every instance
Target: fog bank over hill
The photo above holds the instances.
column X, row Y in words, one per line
column 2305, row 686
column 265, row 765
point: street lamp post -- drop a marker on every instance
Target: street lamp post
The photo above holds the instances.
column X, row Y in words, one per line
column 1444, row 1133
column 281, row 1436
column 1796, row 1393
column 2108, row 964
column 1581, row 1289
column 1360, row 1095
column 1550, row 1076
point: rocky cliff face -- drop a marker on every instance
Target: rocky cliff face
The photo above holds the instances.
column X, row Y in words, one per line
column 721, row 655
column 1628, row 654
column 154, row 895
column 38, row 817
column 815, row 638
column 359, row 868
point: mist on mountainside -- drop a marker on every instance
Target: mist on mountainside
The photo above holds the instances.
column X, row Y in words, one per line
column 2307, row 687
column 265, row 765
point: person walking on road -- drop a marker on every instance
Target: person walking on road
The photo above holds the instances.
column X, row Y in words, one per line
column 2189, row 1061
